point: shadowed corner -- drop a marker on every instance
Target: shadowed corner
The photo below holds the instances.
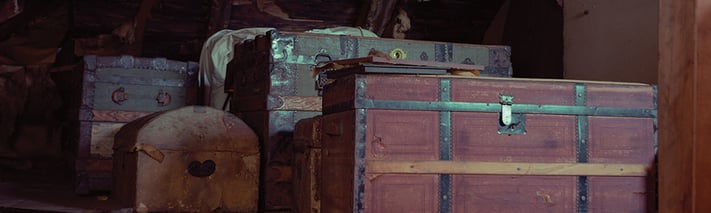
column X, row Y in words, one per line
column 652, row 183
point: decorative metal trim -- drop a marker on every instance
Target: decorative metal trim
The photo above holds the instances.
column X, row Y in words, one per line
column 440, row 52
column 450, row 54
column 281, row 73
column 496, row 107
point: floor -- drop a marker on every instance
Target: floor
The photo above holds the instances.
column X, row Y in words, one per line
column 47, row 187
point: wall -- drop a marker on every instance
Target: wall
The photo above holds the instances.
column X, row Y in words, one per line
column 610, row 40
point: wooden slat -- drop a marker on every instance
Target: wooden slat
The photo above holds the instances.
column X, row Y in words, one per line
column 684, row 90
column 500, row 168
column 300, row 103
column 102, row 138
column 117, row 116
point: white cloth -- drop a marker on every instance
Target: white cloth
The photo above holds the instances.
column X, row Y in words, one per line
column 352, row 31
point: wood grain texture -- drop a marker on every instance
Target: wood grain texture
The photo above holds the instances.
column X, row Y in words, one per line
column 300, row 103
column 702, row 122
column 102, row 138
column 678, row 107
column 188, row 135
column 117, row 116
column 500, row 193
column 500, row 168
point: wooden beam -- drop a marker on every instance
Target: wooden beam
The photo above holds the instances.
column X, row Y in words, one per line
column 684, row 118
column 500, row 168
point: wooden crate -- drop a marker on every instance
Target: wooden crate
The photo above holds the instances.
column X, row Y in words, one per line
column 114, row 91
column 270, row 80
column 190, row 159
column 440, row 144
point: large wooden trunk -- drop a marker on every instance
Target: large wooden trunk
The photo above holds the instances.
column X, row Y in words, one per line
column 191, row 159
column 307, row 165
column 454, row 144
column 115, row 91
column 270, row 79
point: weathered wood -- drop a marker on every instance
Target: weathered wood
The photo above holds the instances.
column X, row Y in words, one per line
column 102, row 138
column 299, row 103
column 497, row 168
column 684, row 139
column 307, row 165
column 210, row 162
column 117, row 115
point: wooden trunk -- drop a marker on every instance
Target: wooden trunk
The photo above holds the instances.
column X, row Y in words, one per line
column 191, row 159
column 115, row 91
column 446, row 144
column 272, row 87
column 307, row 165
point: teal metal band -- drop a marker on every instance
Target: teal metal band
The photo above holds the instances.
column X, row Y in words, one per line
column 496, row 107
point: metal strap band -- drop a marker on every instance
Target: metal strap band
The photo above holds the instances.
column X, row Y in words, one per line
column 360, row 131
column 582, row 148
column 445, row 147
column 496, row 107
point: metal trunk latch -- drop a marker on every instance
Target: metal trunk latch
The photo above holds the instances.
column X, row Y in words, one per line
column 509, row 122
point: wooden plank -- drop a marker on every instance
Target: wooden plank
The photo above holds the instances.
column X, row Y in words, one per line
column 702, row 115
column 102, row 138
column 684, row 139
column 117, row 115
column 499, row 168
column 300, row 103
